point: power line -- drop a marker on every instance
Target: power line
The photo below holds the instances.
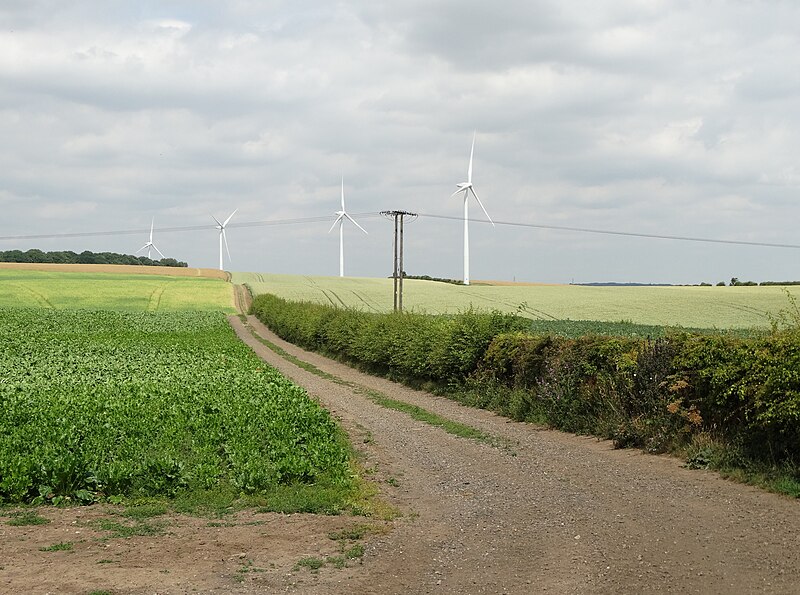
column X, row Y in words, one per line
column 275, row 222
column 89, row 234
column 618, row 233
column 325, row 218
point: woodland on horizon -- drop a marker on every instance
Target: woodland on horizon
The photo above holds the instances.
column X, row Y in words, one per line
column 85, row 257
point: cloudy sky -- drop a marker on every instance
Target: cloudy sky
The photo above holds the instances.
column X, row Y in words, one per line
column 658, row 117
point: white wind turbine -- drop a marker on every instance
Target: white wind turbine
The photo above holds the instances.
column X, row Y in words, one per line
column 223, row 237
column 341, row 216
column 466, row 188
column 150, row 245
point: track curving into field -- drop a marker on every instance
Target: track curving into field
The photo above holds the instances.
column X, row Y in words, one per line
column 242, row 298
column 40, row 299
column 155, row 298
column 554, row 513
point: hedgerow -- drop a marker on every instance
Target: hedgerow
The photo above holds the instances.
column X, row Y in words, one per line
column 669, row 393
column 440, row 348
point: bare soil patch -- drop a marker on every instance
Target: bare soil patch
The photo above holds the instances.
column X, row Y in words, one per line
column 239, row 553
column 120, row 269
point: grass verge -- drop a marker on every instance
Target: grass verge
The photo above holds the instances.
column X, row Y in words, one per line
column 26, row 517
column 357, row 498
column 62, row 546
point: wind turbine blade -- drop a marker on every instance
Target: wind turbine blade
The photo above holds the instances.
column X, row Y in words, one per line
column 484, row 208
column 471, row 153
column 225, row 239
column 339, row 218
column 353, row 221
column 152, row 222
column 457, row 192
column 157, row 250
column 343, row 193
column 142, row 248
column 217, row 220
column 229, row 217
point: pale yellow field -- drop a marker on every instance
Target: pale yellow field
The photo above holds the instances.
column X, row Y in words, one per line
column 120, row 269
column 701, row 307
column 98, row 290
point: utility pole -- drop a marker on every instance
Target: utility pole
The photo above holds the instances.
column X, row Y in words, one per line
column 397, row 248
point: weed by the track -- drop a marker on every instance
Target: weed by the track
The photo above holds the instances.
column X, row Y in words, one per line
column 312, row 563
column 26, row 517
column 63, row 546
column 122, row 531
column 141, row 512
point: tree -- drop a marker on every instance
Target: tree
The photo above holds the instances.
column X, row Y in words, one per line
column 85, row 257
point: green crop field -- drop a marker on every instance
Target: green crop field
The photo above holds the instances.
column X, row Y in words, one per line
column 99, row 404
column 698, row 307
column 107, row 291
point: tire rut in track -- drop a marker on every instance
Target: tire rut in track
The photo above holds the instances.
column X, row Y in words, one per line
column 242, row 298
column 364, row 301
column 523, row 307
column 752, row 310
column 39, row 297
column 316, row 286
column 565, row 515
column 154, row 301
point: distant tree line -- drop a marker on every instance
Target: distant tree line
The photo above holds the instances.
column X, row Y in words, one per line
column 620, row 284
column 429, row 278
column 736, row 283
column 85, row 257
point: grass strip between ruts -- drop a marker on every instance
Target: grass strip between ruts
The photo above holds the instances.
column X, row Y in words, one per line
column 377, row 397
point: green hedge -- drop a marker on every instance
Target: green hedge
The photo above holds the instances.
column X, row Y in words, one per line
column 416, row 346
column 658, row 394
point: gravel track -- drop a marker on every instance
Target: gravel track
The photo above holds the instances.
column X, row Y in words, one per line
column 554, row 513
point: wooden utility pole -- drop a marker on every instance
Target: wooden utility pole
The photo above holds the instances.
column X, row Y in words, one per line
column 397, row 248
column 394, row 263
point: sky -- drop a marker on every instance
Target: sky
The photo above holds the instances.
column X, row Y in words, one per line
column 671, row 117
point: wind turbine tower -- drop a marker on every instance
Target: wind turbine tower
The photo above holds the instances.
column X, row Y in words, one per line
column 223, row 237
column 340, row 218
column 150, row 245
column 466, row 188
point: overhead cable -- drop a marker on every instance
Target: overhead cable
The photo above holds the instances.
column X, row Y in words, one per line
column 618, row 233
column 275, row 222
column 87, row 234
